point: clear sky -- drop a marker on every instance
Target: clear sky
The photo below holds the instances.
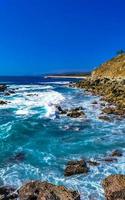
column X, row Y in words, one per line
column 39, row 36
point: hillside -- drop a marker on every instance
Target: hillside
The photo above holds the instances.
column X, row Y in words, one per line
column 114, row 68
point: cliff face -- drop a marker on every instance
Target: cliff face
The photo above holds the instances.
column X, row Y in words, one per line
column 114, row 68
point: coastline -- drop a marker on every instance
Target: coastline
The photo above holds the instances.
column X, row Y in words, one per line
column 70, row 167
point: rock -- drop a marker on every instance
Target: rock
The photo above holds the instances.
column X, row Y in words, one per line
column 94, row 102
column 3, row 87
column 75, row 114
column 37, row 190
column 110, row 159
column 3, row 102
column 114, row 187
column 105, row 118
column 93, row 163
column 7, row 193
column 116, row 153
column 7, row 94
column 76, row 167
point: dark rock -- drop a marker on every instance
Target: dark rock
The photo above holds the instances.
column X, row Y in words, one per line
column 3, row 87
column 110, row 159
column 76, row 167
column 75, row 114
column 36, row 190
column 116, row 153
column 114, row 187
column 3, row 102
column 105, row 118
column 94, row 102
column 93, row 163
column 7, row 193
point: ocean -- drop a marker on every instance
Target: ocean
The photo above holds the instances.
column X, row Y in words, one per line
column 36, row 142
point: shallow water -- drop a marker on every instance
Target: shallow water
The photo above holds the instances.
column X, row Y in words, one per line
column 31, row 125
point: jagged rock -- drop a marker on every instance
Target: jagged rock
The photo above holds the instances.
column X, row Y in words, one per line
column 36, row 190
column 7, row 193
column 93, row 163
column 110, row 159
column 3, row 87
column 114, row 187
column 75, row 113
column 2, row 102
column 105, row 118
column 76, row 167
column 116, row 153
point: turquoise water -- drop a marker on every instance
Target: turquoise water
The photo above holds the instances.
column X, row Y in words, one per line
column 30, row 125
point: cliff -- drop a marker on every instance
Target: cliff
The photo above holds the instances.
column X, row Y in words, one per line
column 114, row 68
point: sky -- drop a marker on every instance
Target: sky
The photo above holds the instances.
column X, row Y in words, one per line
column 56, row 36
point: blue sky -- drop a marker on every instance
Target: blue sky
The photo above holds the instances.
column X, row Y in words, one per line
column 39, row 36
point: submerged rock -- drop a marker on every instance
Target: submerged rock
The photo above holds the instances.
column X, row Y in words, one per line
column 114, row 187
column 19, row 157
column 104, row 118
column 37, row 190
column 76, row 167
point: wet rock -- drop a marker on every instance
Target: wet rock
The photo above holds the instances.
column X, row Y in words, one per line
column 94, row 102
column 110, row 159
column 116, row 153
column 3, row 102
column 36, row 190
column 75, row 114
column 3, row 87
column 104, row 118
column 93, row 163
column 114, row 187
column 76, row 167
column 7, row 193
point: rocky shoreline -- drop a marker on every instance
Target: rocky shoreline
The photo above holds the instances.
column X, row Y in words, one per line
column 112, row 94
column 111, row 91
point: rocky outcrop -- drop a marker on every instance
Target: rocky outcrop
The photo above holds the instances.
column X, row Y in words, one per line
column 114, row 187
column 76, row 167
column 73, row 113
column 114, row 68
column 37, row 190
column 3, row 87
column 112, row 91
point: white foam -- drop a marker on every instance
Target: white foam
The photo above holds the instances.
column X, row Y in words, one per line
column 27, row 105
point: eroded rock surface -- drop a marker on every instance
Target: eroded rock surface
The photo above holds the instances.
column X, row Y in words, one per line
column 114, row 187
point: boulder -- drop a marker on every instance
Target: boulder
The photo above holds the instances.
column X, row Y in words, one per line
column 76, row 167
column 37, row 190
column 114, row 187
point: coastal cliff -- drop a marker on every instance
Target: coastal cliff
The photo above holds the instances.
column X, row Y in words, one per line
column 114, row 68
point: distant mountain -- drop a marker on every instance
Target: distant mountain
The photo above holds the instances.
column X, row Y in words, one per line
column 114, row 68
